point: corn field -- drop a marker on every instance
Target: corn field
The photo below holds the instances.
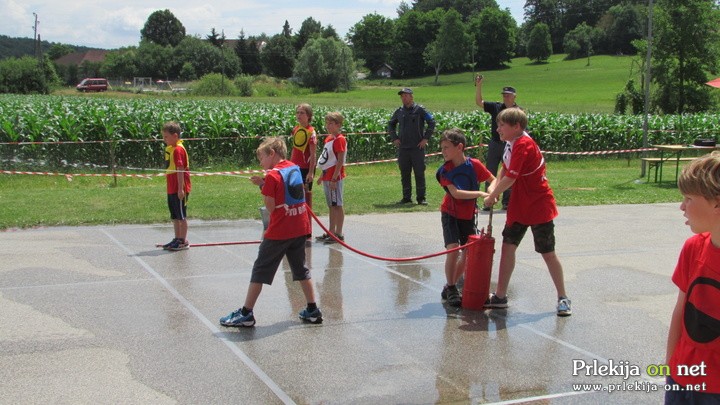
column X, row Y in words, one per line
column 59, row 131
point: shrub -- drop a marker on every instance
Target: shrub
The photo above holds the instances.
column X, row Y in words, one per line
column 214, row 84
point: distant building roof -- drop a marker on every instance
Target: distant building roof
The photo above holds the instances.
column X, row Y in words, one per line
column 77, row 58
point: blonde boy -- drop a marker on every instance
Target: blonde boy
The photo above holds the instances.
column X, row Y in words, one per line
column 332, row 163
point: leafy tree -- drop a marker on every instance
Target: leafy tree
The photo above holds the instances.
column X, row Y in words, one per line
column 622, row 24
column 371, row 40
column 685, row 50
column 467, row 8
column 330, row 32
column 325, row 64
column 205, row 58
column 550, row 13
column 539, row 46
column 308, row 30
column 152, row 60
column 278, row 57
column 215, row 38
column 494, row 36
column 287, row 31
column 450, row 47
column 26, row 75
column 162, row 28
column 414, row 31
column 59, row 50
column 251, row 62
column 580, row 42
column 120, row 64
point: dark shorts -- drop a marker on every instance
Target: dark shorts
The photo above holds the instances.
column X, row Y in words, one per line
column 270, row 255
column 178, row 208
column 304, row 173
column 543, row 235
column 682, row 397
column 456, row 230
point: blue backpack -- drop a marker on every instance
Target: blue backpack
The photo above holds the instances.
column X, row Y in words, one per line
column 463, row 176
column 294, row 185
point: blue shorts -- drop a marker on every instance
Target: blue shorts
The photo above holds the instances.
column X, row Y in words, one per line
column 543, row 235
column 178, row 209
column 271, row 253
column 456, row 230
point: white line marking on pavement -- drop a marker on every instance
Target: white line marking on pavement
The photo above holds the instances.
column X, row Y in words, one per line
column 211, row 326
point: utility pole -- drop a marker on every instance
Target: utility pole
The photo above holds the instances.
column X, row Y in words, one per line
column 648, row 59
column 36, row 37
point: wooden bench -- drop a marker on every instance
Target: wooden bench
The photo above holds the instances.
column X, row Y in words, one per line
column 657, row 164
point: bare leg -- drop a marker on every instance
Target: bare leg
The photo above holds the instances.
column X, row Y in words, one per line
column 182, row 229
column 451, row 264
column 338, row 218
column 556, row 272
column 507, row 265
column 252, row 294
column 308, row 290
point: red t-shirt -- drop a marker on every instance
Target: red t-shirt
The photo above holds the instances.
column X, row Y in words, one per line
column 286, row 222
column 176, row 156
column 697, row 274
column 328, row 158
column 462, row 208
column 303, row 142
column 532, row 201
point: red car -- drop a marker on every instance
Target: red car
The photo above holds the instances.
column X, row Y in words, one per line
column 92, row 84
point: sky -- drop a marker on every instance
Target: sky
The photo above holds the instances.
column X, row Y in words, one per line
column 111, row 24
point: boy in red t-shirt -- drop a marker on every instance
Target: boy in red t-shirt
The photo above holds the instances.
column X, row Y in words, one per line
column 532, row 205
column 303, row 154
column 460, row 177
column 332, row 163
column 289, row 227
column 177, row 178
column 693, row 347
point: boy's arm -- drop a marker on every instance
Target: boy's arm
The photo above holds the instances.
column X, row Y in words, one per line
column 181, row 182
column 465, row 194
column 269, row 203
column 496, row 188
column 313, row 160
column 338, row 166
column 675, row 327
column 478, row 91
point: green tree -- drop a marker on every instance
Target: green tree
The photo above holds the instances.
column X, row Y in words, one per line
column 539, row 45
column 205, row 58
column 371, row 40
column 685, row 50
column 162, row 28
column 59, row 50
column 26, row 75
column 580, row 42
column 308, row 30
column 450, row 47
column 153, row 60
column 120, row 64
column 621, row 25
column 494, row 33
column 414, row 31
column 278, row 57
column 467, row 8
column 325, row 64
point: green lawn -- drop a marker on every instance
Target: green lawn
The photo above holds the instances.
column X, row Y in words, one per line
column 41, row 201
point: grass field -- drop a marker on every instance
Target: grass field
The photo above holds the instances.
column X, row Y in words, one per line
column 45, row 201
column 555, row 86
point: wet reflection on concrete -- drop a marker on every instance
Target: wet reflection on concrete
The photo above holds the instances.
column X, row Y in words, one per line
column 387, row 337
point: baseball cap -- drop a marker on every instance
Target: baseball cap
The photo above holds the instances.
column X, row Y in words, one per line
column 406, row 90
column 508, row 90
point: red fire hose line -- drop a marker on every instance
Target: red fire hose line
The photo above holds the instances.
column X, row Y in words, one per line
column 389, row 259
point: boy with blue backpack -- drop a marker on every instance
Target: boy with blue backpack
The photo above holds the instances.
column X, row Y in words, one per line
column 289, row 227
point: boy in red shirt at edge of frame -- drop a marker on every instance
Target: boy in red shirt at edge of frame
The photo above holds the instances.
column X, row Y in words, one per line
column 532, row 205
column 693, row 347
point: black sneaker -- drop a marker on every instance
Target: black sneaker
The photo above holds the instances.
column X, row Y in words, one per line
column 167, row 245
column 496, row 302
column 330, row 239
column 453, row 297
column 422, row 202
column 179, row 244
column 314, row 316
column 404, row 201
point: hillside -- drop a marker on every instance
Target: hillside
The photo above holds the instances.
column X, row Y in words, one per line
column 18, row 47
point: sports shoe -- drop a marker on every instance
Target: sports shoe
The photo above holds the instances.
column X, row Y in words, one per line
column 167, row 245
column 404, row 201
column 236, row 318
column 330, row 239
column 496, row 302
column 444, row 292
column 179, row 244
column 422, row 202
column 322, row 238
column 453, row 297
column 563, row 307
column 314, row 316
